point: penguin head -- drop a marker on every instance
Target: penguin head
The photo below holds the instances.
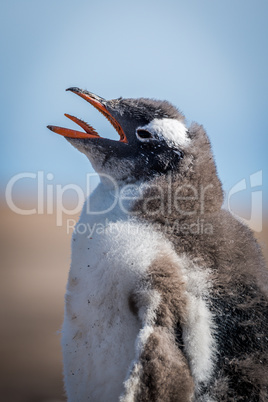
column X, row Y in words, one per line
column 153, row 137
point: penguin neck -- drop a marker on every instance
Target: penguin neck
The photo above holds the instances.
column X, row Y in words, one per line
column 111, row 201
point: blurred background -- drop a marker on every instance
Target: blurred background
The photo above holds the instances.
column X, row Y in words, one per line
column 207, row 57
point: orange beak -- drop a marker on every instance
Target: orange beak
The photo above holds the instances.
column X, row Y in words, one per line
column 89, row 131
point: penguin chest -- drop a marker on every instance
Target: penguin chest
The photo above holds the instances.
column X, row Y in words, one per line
column 99, row 330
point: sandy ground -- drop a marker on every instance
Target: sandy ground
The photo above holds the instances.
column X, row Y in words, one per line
column 35, row 262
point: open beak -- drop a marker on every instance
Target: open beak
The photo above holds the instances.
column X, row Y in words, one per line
column 99, row 104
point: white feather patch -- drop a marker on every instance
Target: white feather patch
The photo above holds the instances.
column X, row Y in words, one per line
column 173, row 131
column 149, row 301
column 200, row 346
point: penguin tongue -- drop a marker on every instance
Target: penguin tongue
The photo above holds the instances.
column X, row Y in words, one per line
column 99, row 104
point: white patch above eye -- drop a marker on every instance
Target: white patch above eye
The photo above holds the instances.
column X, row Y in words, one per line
column 172, row 131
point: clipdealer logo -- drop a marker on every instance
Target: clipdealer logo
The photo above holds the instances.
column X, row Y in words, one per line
column 255, row 219
column 51, row 197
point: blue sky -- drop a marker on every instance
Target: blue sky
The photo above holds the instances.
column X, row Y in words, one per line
column 208, row 57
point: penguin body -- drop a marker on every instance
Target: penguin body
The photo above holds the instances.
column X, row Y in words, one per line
column 167, row 293
column 104, row 331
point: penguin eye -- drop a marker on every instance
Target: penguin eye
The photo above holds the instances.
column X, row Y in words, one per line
column 143, row 135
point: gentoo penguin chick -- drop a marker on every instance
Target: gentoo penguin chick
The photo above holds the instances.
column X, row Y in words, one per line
column 167, row 292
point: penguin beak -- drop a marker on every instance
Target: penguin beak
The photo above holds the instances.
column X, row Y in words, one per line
column 90, row 132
